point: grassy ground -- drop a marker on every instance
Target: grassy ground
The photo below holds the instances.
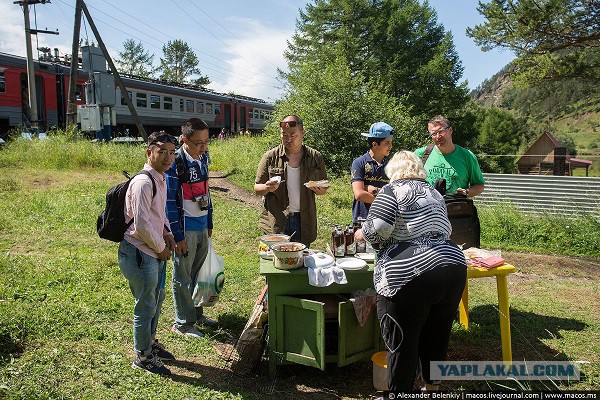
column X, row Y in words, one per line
column 66, row 310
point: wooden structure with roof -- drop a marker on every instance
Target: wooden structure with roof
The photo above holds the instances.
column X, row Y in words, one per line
column 547, row 156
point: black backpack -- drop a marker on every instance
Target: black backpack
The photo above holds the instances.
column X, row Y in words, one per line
column 111, row 223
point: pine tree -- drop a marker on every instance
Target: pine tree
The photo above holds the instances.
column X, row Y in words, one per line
column 395, row 42
column 179, row 63
column 135, row 60
column 554, row 39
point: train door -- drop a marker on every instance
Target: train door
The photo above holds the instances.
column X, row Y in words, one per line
column 39, row 91
column 243, row 118
column 227, row 117
column 61, row 100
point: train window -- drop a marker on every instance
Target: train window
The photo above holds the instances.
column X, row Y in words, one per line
column 2, row 82
column 209, row 109
column 262, row 114
column 155, row 101
column 181, row 105
column 189, row 106
column 142, row 100
column 168, row 103
column 200, row 107
column 217, row 109
column 256, row 114
column 123, row 103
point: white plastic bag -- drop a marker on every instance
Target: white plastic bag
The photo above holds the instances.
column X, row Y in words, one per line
column 210, row 279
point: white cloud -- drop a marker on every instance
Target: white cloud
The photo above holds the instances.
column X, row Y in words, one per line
column 253, row 61
column 12, row 32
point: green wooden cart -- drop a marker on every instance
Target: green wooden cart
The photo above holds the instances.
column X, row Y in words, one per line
column 302, row 331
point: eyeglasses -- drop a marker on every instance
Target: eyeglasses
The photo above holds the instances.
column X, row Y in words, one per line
column 288, row 124
column 200, row 143
column 438, row 132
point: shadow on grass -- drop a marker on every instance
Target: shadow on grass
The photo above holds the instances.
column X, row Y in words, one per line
column 292, row 381
column 10, row 345
column 529, row 330
column 481, row 342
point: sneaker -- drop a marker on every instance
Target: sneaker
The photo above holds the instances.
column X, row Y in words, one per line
column 151, row 364
column 158, row 349
column 190, row 332
column 211, row 323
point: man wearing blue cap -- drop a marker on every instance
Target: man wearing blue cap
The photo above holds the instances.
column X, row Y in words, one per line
column 368, row 171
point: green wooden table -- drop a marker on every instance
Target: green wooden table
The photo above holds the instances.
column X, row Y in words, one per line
column 299, row 325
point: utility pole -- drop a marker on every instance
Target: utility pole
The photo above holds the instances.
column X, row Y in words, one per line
column 71, row 104
column 30, row 70
column 111, row 64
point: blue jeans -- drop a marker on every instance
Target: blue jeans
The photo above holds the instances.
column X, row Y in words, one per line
column 146, row 276
column 292, row 225
column 185, row 270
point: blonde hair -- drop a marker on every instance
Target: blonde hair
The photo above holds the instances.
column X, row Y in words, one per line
column 405, row 164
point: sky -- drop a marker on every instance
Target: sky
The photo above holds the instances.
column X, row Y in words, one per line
column 240, row 44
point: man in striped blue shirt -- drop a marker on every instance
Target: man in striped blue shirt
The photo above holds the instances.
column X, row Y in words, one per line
column 189, row 209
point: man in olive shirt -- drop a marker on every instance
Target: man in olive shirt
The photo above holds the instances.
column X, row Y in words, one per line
column 457, row 165
column 290, row 206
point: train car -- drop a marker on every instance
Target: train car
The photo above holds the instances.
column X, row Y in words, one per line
column 160, row 105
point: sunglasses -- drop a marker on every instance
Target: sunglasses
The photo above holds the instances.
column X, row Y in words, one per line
column 288, row 124
column 162, row 138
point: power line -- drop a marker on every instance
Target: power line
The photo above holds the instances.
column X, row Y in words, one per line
column 166, row 34
column 219, row 39
column 232, row 34
column 219, row 71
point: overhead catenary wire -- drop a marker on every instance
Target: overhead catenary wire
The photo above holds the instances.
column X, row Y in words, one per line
column 233, row 34
column 219, row 39
column 219, row 71
column 168, row 35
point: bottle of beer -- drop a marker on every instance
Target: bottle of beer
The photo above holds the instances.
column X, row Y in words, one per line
column 350, row 245
column 339, row 242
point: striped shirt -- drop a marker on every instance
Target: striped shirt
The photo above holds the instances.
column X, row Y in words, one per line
column 409, row 225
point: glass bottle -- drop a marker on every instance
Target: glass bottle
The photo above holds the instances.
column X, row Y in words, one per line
column 350, row 245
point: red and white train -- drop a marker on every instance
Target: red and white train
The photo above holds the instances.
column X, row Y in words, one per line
column 159, row 105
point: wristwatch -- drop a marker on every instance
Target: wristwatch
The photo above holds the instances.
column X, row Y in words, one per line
column 374, row 191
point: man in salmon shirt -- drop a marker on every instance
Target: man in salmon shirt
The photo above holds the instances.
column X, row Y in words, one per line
column 189, row 209
column 145, row 249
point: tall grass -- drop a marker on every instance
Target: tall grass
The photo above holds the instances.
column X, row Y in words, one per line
column 63, row 152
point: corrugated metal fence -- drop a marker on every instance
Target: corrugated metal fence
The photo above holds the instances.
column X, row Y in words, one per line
column 542, row 193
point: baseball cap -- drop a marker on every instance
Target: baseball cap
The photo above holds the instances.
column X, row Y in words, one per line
column 379, row 130
column 160, row 137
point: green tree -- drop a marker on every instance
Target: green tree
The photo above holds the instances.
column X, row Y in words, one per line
column 554, row 39
column 499, row 140
column 179, row 63
column 338, row 104
column 135, row 60
column 398, row 42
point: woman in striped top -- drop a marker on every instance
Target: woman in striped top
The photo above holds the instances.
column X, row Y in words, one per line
column 420, row 273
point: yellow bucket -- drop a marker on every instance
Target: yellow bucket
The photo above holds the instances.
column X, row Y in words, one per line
column 380, row 381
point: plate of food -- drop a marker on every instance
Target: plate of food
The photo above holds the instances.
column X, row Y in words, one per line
column 368, row 257
column 351, row 263
column 324, row 183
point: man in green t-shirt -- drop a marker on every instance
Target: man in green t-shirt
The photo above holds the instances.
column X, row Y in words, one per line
column 457, row 165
